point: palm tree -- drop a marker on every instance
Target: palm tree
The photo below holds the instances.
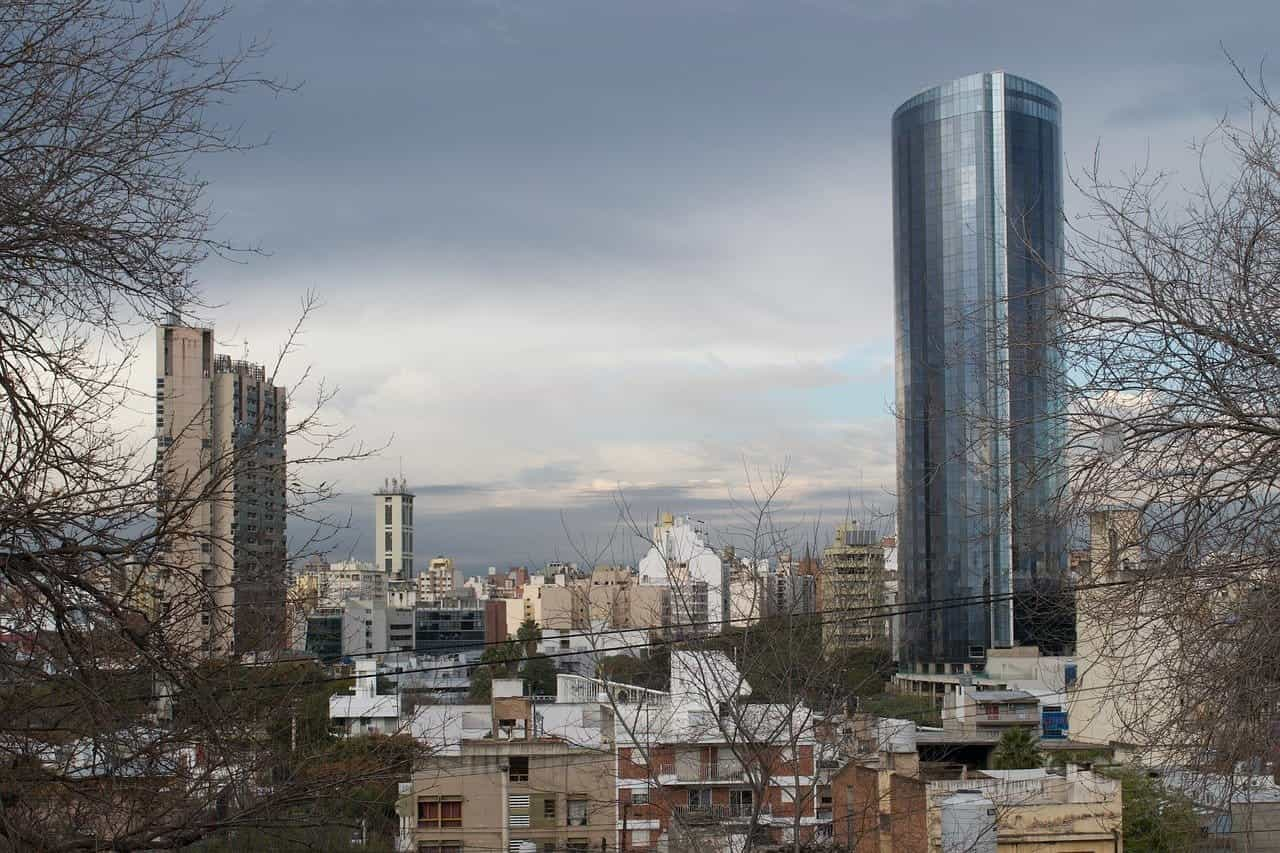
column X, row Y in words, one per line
column 1017, row 750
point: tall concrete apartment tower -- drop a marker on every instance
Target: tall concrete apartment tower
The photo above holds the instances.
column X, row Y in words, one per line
column 393, row 529
column 851, row 583
column 220, row 434
column 978, row 239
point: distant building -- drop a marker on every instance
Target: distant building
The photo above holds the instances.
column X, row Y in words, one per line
column 333, row 583
column 393, row 529
column 851, row 588
column 681, row 560
column 220, row 436
column 456, row 623
column 440, row 579
column 612, row 596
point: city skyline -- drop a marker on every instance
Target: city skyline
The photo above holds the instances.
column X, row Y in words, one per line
column 672, row 200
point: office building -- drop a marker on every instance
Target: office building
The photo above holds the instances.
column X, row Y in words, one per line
column 393, row 529
column 978, row 237
column 220, row 465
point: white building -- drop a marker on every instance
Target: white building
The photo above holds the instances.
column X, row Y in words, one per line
column 364, row 711
column 393, row 529
column 336, row 582
column 681, row 560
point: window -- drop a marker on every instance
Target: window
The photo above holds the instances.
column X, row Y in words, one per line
column 386, row 540
column 549, row 808
column 440, row 847
column 640, row 796
column 518, row 769
column 386, row 514
column 639, row 838
column 577, row 813
column 440, row 814
column 578, row 844
column 740, row 802
column 699, row 798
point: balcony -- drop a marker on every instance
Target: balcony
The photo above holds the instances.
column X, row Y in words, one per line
column 716, row 772
column 698, row 815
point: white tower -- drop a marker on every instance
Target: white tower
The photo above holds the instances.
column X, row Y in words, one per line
column 393, row 529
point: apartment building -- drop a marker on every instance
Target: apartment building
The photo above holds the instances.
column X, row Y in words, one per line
column 440, row 579
column 700, row 766
column 851, row 588
column 220, row 436
column 612, row 596
column 513, row 777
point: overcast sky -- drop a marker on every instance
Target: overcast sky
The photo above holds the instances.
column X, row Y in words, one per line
column 565, row 247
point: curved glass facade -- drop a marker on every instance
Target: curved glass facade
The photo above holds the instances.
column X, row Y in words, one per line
column 978, row 235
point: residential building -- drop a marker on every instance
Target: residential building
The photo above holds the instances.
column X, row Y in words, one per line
column 1127, row 644
column 882, row 804
column 991, row 711
column 440, row 579
column 511, row 777
column 681, row 560
column 364, row 711
column 329, row 584
column 851, row 588
column 1047, row 677
column 612, row 597
column 393, row 529
column 701, row 766
column 978, row 238
column 220, row 436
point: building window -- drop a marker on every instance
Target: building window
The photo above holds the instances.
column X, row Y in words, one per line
column 386, row 513
column 740, row 803
column 518, row 769
column 440, row 847
column 386, row 540
column 699, row 798
column 639, row 838
column 549, row 808
column 640, row 796
column 440, row 814
column 579, row 845
column 577, row 813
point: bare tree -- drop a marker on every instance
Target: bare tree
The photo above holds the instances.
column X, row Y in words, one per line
column 116, row 732
column 1173, row 338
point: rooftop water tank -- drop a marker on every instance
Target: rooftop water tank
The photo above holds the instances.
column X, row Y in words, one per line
column 968, row 823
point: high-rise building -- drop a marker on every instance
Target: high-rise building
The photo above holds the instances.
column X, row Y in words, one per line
column 978, row 237
column 851, row 588
column 220, row 434
column 393, row 529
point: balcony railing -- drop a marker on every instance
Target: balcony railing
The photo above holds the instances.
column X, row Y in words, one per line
column 715, row 772
column 709, row 814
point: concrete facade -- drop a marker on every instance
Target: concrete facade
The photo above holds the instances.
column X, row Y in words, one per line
column 220, row 435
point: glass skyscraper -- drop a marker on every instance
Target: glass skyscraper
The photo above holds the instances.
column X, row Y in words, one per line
column 978, row 237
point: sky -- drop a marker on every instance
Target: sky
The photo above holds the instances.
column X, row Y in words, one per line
column 572, row 252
